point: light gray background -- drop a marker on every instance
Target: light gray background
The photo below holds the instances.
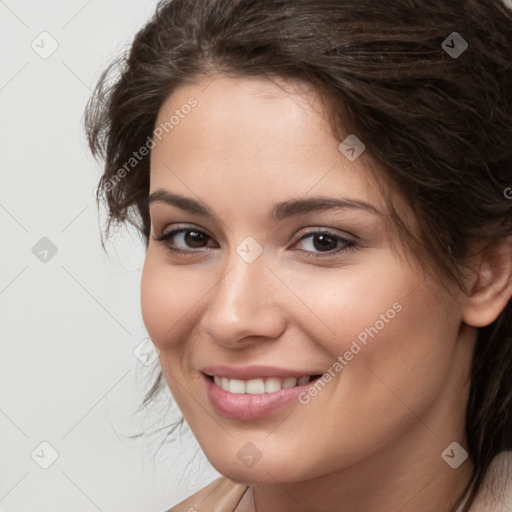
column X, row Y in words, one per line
column 70, row 324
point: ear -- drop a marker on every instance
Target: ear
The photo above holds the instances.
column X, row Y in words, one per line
column 492, row 285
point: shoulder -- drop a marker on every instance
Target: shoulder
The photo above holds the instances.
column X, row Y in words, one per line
column 502, row 476
column 496, row 492
column 222, row 495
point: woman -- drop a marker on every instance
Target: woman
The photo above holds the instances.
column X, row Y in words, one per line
column 322, row 190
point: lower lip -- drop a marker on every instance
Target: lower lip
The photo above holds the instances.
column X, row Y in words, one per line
column 247, row 407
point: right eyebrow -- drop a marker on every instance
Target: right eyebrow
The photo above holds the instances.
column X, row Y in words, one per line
column 184, row 203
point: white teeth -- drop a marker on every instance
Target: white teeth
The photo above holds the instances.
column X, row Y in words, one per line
column 236, row 386
column 272, row 385
column 259, row 386
column 255, row 386
column 289, row 382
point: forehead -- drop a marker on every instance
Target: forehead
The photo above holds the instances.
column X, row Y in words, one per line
column 252, row 128
column 237, row 114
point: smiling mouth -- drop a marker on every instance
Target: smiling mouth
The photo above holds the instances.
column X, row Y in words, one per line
column 260, row 385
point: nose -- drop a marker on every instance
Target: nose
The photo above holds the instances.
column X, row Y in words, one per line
column 244, row 307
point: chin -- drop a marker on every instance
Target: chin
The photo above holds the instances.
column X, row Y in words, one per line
column 263, row 472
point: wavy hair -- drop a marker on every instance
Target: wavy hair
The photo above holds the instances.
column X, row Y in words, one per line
column 440, row 123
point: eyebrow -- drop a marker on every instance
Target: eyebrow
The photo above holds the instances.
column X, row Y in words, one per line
column 279, row 212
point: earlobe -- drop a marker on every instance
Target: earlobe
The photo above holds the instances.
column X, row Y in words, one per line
column 492, row 286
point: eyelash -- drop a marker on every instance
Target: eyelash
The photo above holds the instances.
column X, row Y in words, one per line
column 348, row 245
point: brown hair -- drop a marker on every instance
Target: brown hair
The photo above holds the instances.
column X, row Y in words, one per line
column 439, row 122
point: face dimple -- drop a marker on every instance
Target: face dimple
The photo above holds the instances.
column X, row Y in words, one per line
column 376, row 326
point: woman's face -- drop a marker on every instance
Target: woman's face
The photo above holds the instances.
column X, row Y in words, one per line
column 289, row 268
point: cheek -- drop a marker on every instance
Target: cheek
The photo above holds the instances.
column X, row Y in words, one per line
column 395, row 338
column 155, row 301
column 342, row 307
column 168, row 296
column 167, row 301
column 405, row 343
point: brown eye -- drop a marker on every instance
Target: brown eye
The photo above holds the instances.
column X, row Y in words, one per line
column 184, row 239
column 325, row 242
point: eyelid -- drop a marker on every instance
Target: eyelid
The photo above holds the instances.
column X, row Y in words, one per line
column 177, row 229
column 347, row 243
column 341, row 233
column 310, row 230
column 181, row 226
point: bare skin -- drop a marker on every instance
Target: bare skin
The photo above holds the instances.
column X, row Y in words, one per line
column 372, row 438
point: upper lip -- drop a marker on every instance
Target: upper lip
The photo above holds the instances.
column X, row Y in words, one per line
column 254, row 372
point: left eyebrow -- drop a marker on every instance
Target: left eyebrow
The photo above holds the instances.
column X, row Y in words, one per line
column 279, row 212
column 318, row 203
